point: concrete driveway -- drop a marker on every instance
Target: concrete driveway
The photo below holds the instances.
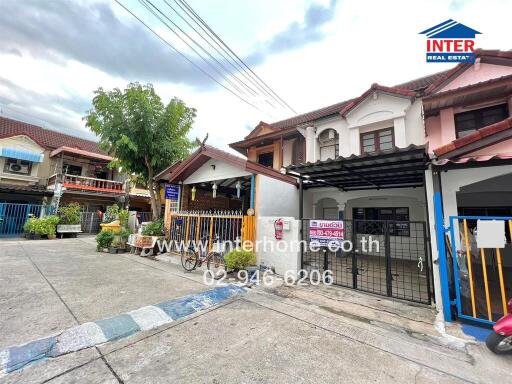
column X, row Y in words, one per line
column 281, row 335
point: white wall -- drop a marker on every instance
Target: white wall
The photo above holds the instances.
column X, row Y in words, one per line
column 205, row 173
column 378, row 111
column 276, row 198
column 268, row 251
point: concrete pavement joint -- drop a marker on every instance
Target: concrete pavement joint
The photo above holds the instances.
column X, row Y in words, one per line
column 161, row 330
column 357, row 340
column 90, row 334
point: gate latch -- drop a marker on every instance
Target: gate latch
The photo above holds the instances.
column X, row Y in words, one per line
column 420, row 263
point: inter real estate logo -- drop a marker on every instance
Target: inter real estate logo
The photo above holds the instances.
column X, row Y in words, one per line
column 450, row 42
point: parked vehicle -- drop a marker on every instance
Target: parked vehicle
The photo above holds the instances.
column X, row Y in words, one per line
column 500, row 341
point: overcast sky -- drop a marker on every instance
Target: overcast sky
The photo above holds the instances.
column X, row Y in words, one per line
column 55, row 53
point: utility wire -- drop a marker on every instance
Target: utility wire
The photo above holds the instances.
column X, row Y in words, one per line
column 212, row 46
column 186, row 58
column 151, row 7
column 234, row 54
column 221, row 50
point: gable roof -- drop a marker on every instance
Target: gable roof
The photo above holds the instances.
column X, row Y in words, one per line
column 482, row 138
column 493, row 56
column 450, row 29
column 44, row 137
column 416, row 85
column 260, row 127
column 376, row 87
column 198, row 158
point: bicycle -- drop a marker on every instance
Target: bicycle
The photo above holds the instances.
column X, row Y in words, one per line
column 191, row 258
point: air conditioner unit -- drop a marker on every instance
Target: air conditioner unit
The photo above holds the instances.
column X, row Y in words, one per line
column 18, row 168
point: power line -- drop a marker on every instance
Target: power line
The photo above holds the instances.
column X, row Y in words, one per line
column 233, row 53
column 221, row 50
column 151, row 7
column 186, row 58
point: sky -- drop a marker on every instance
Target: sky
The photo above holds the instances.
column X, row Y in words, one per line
column 312, row 53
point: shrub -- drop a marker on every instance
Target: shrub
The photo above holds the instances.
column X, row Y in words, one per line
column 123, row 217
column 30, row 225
column 50, row 225
column 124, row 234
column 70, row 214
column 156, row 228
column 104, row 239
column 239, row 259
column 111, row 214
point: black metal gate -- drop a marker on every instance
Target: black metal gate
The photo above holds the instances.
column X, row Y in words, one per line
column 389, row 258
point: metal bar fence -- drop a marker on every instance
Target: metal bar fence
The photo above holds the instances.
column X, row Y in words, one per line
column 393, row 262
column 13, row 216
column 196, row 226
column 483, row 276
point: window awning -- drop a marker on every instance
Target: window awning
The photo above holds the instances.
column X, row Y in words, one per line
column 22, row 154
column 396, row 168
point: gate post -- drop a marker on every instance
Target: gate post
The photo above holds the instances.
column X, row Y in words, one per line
column 441, row 246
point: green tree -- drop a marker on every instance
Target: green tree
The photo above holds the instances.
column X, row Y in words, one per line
column 141, row 133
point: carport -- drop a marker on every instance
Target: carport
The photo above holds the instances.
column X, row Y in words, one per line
column 381, row 195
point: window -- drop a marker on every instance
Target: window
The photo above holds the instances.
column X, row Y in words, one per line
column 19, row 167
column 329, row 144
column 398, row 218
column 377, row 140
column 469, row 122
column 266, row 159
column 73, row 170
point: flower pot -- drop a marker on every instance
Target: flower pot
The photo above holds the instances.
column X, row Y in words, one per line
column 69, row 228
column 36, row 236
column 52, row 237
column 112, row 250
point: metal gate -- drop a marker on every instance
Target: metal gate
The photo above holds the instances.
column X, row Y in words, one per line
column 389, row 258
column 13, row 216
column 482, row 276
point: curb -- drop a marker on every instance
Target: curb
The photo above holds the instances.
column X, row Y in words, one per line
column 114, row 328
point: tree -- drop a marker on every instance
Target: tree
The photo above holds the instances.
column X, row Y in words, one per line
column 141, row 133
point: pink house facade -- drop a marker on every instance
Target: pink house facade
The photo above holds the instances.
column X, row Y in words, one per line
column 468, row 129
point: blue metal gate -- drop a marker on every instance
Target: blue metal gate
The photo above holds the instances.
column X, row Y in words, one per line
column 482, row 276
column 13, row 216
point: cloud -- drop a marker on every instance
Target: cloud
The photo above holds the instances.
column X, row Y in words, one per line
column 60, row 30
column 297, row 34
column 49, row 111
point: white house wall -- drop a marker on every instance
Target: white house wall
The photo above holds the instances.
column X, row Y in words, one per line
column 222, row 171
column 374, row 113
column 276, row 198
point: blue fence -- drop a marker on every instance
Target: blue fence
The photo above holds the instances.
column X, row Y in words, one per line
column 13, row 216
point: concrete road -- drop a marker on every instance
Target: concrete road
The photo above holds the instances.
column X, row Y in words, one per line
column 280, row 335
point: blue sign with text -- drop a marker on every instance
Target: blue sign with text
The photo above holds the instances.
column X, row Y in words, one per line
column 172, row 191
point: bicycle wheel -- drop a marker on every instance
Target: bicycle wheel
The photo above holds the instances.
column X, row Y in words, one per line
column 216, row 264
column 188, row 259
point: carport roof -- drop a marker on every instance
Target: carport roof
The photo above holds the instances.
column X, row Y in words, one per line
column 396, row 168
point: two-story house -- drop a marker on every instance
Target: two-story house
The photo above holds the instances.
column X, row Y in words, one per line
column 36, row 162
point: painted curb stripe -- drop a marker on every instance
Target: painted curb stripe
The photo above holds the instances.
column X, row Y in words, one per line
column 93, row 333
column 187, row 305
column 118, row 327
column 82, row 336
column 149, row 317
column 22, row 355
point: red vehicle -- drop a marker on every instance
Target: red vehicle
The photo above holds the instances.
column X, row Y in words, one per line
column 500, row 341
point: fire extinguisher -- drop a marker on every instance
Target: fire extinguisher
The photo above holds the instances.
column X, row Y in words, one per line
column 278, row 229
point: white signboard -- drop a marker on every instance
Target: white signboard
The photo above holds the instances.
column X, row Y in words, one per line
column 490, row 234
column 325, row 232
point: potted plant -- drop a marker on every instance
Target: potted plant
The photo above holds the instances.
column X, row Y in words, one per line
column 51, row 223
column 30, row 228
column 69, row 219
column 104, row 239
column 238, row 260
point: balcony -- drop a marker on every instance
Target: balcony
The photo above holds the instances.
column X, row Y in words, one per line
column 88, row 184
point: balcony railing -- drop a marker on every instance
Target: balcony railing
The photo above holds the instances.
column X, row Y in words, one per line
column 91, row 184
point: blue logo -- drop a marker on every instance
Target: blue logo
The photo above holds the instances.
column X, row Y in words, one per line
column 450, row 42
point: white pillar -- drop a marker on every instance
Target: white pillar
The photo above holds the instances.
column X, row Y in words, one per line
column 310, row 144
column 400, row 135
column 341, row 208
column 314, row 211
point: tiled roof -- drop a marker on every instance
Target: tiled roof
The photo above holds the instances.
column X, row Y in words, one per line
column 413, row 85
column 482, row 133
column 45, row 137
